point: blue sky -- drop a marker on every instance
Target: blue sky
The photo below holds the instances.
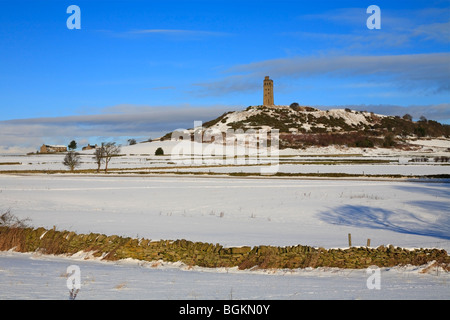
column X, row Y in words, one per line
column 137, row 69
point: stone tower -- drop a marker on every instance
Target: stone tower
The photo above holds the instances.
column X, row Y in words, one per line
column 268, row 92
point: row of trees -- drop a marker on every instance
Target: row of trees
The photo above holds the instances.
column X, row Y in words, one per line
column 73, row 144
column 102, row 155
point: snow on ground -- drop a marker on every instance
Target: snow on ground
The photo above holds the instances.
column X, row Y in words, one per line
column 142, row 155
column 439, row 143
column 232, row 212
column 236, row 212
column 31, row 276
column 351, row 118
column 369, row 169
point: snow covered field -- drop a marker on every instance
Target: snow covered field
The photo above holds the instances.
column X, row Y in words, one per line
column 236, row 212
column 28, row 276
column 360, row 169
column 232, row 212
column 141, row 158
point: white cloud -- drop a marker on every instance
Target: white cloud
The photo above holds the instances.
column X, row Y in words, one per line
column 429, row 72
column 118, row 122
column 432, row 23
column 131, row 121
column 436, row 31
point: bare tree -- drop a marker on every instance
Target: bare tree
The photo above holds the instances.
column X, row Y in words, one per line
column 72, row 160
column 99, row 157
column 109, row 150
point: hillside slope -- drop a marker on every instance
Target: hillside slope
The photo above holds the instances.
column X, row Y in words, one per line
column 301, row 126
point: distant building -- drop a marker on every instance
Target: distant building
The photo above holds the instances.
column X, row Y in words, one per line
column 89, row 147
column 268, row 92
column 45, row 148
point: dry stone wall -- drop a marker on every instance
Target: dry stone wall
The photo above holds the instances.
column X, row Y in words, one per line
column 213, row 255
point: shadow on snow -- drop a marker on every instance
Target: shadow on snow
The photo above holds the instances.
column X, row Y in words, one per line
column 435, row 221
column 436, row 190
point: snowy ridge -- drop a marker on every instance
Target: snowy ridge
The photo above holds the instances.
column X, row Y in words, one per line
column 299, row 118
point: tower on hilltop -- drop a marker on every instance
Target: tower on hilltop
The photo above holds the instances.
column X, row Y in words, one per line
column 268, row 92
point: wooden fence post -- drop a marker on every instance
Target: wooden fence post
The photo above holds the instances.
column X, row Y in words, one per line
column 349, row 239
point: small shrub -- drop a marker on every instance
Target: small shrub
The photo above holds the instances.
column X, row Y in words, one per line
column 441, row 159
column 366, row 143
column 7, row 219
column 408, row 117
column 389, row 141
column 419, row 159
column 159, row 152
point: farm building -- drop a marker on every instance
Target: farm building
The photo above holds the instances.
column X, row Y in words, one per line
column 45, row 148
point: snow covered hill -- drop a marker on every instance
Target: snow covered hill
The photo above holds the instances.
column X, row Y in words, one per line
column 290, row 119
column 302, row 127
